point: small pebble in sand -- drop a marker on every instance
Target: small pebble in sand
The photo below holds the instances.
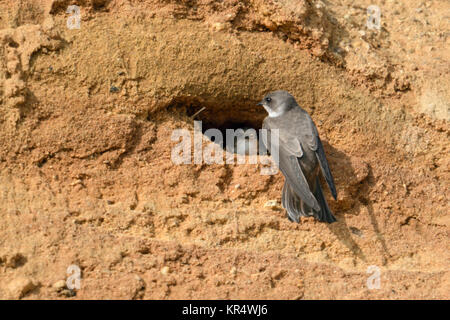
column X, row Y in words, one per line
column 272, row 204
column 165, row 270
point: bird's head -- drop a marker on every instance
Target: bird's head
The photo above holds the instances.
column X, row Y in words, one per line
column 277, row 103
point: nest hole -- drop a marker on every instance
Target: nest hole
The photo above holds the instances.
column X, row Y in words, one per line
column 223, row 118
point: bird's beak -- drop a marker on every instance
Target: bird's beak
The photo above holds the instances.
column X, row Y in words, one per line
column 260, row 103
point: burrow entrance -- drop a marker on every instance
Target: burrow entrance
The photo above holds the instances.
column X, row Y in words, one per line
column 246, row 116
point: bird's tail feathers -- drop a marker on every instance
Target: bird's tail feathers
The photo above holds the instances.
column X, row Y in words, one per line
column 296, row 208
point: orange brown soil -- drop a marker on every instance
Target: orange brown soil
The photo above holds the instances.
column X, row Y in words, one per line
column 86, row 176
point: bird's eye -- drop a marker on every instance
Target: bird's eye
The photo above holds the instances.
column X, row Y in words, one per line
column 268, row 99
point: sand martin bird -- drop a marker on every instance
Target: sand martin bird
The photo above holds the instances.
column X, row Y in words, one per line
column 300, row 158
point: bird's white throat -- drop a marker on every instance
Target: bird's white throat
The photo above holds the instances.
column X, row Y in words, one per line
column 273, row 114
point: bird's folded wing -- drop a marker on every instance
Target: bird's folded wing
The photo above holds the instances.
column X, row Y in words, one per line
column 292, row 146
column 289, row 165
column 290, row 143
column 291, row 169
column 316, row 145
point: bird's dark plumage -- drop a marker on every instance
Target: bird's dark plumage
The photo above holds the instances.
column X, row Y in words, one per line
column 300, row 156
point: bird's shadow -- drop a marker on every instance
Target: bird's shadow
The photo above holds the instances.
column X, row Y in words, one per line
column 355, row 190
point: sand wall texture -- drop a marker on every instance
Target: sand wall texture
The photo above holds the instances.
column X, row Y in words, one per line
column 86, row 177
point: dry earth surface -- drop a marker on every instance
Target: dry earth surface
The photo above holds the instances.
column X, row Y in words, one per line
column 86, row 176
